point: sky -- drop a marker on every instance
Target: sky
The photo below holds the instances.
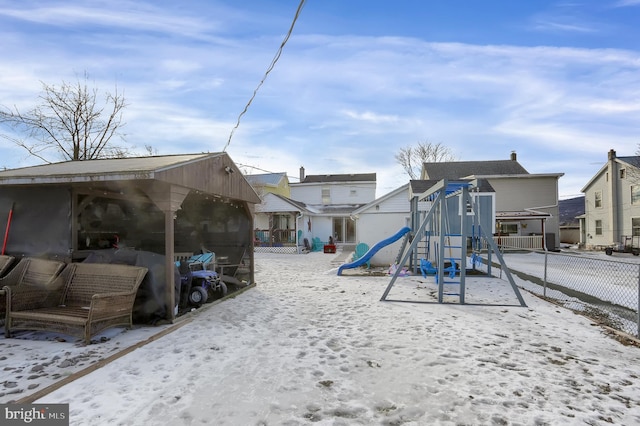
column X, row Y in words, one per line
column 557, row 82
column 308, row 347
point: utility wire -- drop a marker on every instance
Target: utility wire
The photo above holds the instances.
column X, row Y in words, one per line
column 273, row 63
column 265, row 171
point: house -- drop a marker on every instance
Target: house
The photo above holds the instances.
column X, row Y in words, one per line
column 158, row 205
column 274, row 183
column 526, row 209
column 318, row 207
column 571, row 209
column 520, row 208
column 274, row 223
column 330, row 200
column 612, row 204
column 381, row 218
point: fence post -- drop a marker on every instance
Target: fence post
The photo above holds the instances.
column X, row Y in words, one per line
column 638, row 306
column 544, row 283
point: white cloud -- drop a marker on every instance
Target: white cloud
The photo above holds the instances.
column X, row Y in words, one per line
column 624, row 3
column 548, row 25
column 371, row 117
column 135, row 16
column 332, row 103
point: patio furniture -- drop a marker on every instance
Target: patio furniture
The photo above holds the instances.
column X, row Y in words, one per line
column 32, row 272
column 83, row 300
column 318, row 244
column 361, row 250
column 5, row 262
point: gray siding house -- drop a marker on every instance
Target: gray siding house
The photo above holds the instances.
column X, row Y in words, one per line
column 526, row 209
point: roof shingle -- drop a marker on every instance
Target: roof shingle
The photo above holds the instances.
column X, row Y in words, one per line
column 460, row 169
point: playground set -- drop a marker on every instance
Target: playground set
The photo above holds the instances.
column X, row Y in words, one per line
column 443, row 241
column 363, row 257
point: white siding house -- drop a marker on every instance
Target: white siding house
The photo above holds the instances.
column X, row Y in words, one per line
column 275, row 223
column 329, row 201
column 382, row 218
column 612, row 204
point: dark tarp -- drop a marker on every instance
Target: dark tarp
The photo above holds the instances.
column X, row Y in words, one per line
column 40, row 226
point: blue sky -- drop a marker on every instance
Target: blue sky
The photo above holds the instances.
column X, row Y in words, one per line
column 556, row 81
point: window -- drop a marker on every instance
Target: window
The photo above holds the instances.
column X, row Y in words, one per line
column 622, row 173
column 598, row 199
column 326, row 195
column 344, row 229
column 635, row 194
column 509, row 228
column 635, row 226
column 281, row 221
column 468, row 209
column 598, row 227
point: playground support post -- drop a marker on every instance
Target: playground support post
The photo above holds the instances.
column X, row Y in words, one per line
column 412, row 247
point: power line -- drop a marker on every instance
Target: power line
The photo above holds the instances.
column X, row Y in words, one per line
column 267, row 171
column 273, row 63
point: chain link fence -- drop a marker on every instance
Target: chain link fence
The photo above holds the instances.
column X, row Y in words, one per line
column 607, row 290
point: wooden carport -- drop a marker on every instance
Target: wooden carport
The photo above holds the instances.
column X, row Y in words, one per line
column 49, row 200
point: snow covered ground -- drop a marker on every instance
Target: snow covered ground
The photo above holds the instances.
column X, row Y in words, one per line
column 308, row 347
column 606, row 287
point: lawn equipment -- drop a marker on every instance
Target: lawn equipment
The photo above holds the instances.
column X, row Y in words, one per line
column 199, row 284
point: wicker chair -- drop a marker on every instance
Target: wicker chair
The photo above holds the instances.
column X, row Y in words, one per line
column 38, row 273
column 5, row 262
column 84, row 299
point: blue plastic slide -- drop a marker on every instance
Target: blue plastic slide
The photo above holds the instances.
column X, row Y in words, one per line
column 373, row 250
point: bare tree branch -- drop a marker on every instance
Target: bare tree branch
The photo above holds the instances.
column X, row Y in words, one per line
column 411, row 158
column 69, row 123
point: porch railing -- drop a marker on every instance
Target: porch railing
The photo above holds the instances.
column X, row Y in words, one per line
column 271, row 237
column 506, row 242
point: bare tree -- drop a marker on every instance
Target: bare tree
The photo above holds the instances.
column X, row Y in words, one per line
column 69, row 122
column 411, row 158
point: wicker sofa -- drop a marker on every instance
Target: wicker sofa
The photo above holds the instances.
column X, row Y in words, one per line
column 83, row 300
column 5, row 262
column 32, row 272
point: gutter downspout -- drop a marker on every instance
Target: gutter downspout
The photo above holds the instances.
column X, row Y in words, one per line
column 298, row 217
column 613, row 198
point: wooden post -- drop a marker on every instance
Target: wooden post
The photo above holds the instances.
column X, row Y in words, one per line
column 169, row 264
column 168, row 198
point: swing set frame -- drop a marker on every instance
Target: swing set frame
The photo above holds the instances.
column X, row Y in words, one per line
column 437, row 219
